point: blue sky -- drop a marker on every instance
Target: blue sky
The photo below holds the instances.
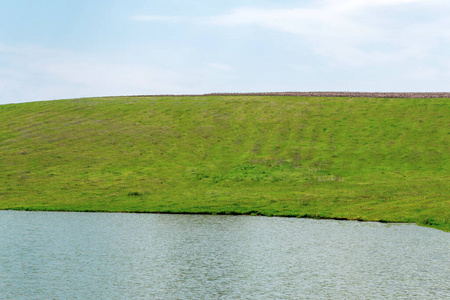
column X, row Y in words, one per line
column 67, row 49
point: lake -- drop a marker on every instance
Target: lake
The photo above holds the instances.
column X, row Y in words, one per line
column 58, row 255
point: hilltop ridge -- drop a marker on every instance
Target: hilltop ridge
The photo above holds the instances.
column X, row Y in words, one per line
column 409, row 95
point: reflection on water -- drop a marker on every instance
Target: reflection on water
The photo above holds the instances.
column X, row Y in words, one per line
column 46, row 255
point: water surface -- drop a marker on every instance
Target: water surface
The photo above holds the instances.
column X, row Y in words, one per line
column 55, row 255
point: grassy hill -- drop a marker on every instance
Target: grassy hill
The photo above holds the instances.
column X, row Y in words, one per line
column 354, row 158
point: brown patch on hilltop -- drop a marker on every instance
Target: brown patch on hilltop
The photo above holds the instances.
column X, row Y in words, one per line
column 320, row 94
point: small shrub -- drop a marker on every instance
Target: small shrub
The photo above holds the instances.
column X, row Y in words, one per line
column 134, row 194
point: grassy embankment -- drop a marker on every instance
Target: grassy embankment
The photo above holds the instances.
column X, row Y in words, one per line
column 353, row 158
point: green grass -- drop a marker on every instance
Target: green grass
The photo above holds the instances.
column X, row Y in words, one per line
column 350, row 158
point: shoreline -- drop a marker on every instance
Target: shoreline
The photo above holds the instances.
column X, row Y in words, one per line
column 223, row 213
column 231, row 213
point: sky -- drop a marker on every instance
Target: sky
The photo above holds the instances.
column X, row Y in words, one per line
column 82, row 48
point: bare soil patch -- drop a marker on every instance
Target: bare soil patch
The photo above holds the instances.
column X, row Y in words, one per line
column 321, row 94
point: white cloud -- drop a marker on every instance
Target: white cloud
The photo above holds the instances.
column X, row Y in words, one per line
column 36, row 73
column 33, row 73
column 356, row 33
column 346, row 5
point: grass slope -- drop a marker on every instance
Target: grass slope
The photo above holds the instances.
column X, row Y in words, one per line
column 353, row 158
